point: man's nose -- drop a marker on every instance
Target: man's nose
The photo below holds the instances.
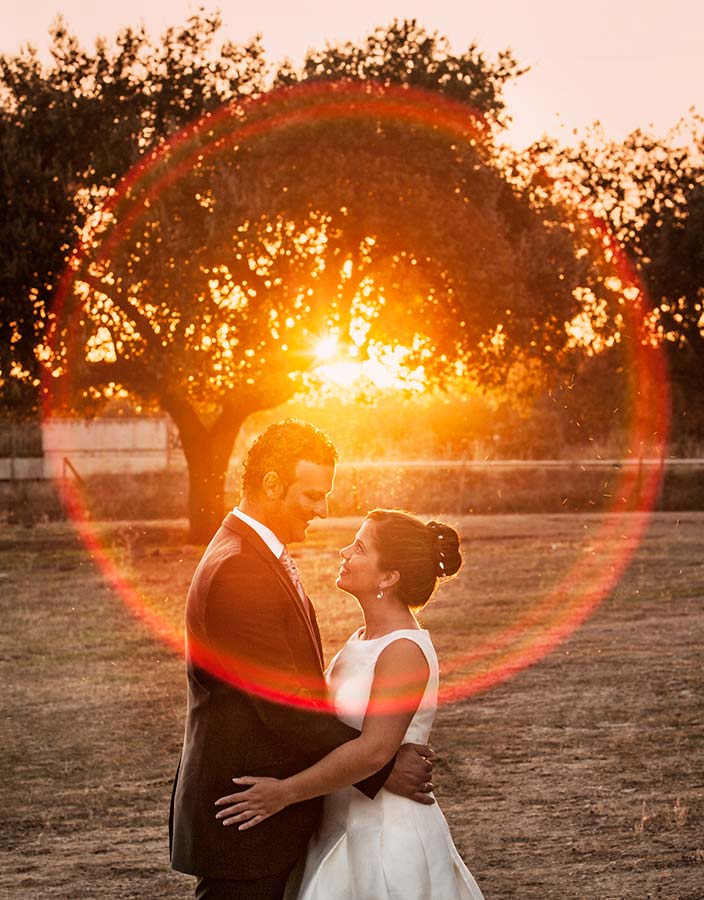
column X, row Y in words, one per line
column 321, row 509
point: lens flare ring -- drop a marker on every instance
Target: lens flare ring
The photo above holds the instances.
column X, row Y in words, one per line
column 587, row 582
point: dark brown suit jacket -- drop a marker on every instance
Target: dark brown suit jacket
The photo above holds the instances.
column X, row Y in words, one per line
column 247, row 633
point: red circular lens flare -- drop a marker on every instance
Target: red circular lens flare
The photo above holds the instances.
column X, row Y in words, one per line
column 587, row 582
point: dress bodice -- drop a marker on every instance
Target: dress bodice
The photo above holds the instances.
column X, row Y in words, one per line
column 350, row 675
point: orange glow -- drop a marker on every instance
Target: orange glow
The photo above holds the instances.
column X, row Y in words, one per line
column 327, row 347
column 384, row 368
column 609, row 551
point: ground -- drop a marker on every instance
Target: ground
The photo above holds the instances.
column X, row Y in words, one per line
column 577, row 777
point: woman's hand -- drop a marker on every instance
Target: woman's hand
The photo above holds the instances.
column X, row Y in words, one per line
column 265, row 797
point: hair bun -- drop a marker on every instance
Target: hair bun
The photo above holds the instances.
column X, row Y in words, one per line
column 447, row 543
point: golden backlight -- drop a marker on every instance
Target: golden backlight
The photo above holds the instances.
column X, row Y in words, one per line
column 385, row 367
column 285, row 299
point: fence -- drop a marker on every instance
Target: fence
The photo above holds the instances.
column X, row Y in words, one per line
column 21, row 454
column 135, row 466
column 493, row 486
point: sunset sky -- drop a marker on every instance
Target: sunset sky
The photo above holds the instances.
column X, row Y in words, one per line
column 627, row 63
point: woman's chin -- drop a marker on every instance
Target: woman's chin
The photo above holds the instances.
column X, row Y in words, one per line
column 341, row 585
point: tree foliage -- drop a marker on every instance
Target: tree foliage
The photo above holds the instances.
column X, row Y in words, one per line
column 404, row 53
column 73, row 128
column 650, row 193
column 202, row 233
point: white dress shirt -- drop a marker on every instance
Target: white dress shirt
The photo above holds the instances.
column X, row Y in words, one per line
column 266, row 534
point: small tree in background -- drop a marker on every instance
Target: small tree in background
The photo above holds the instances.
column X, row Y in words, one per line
column 650, row 192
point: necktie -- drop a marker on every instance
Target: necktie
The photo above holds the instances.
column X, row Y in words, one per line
column 289, row 566
column 292, row 572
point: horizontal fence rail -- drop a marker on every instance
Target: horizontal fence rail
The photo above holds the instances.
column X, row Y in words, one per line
column 436, row 487
column 113, row 461
column 517, row 463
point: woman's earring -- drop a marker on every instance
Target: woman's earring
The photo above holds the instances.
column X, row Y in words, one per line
column 379, row 594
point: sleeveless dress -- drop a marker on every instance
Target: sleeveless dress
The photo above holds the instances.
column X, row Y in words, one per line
column 389, row 848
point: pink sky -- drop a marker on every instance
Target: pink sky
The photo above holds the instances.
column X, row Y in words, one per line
column 628, row 63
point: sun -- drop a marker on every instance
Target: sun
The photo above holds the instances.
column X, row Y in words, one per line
column 327, row 347
column 384, row 368
column 341, row 374
column 336, row 365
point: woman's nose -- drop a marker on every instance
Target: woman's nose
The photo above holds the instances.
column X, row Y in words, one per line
column 345, row 552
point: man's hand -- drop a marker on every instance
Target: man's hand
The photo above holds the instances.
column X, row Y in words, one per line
column 412, row 774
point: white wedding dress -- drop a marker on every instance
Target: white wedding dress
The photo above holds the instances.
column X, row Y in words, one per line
column 389, row 848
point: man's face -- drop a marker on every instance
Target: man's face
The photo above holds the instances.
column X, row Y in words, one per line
column 305, row 498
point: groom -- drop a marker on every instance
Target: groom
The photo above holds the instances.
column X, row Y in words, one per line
column 256, row 688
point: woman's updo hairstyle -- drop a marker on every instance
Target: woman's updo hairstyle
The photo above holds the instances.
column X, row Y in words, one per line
column 420, row 553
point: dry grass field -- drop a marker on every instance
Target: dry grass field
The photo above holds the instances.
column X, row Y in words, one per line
column 579, row 778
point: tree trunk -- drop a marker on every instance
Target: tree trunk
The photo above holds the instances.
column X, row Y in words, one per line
column 208, row 448
column 208, row 452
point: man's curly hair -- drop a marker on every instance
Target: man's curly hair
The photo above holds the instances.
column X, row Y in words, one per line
column 279, row 448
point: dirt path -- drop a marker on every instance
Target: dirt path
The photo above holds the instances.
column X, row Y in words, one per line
column 580, row 777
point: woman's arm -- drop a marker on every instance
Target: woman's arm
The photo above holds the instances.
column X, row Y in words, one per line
column 400, row 677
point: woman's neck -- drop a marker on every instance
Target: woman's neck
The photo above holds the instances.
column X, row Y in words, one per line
column 380, row 618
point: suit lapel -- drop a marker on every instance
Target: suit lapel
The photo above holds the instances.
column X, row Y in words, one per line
column 233, row 523
column 316, row 631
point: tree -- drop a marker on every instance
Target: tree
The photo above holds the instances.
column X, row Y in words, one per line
column 206, row 275
column 650, row 192
column 71, row 131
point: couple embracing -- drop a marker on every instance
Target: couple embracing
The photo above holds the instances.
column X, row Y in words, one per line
column 295, row 782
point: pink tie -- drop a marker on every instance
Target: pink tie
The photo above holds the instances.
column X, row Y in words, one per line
column 290, row 568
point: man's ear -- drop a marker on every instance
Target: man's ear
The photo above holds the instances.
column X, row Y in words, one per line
column 389, row 579
column 272, row 486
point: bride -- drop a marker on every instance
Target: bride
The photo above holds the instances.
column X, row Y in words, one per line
column 384, row 681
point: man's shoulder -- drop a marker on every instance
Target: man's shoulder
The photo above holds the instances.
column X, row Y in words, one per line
column 228, row 558
column 232, row 549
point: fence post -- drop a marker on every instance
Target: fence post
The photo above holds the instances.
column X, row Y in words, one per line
column 661, row 483
column 461, row 488
column 12, row 454
column 355, row 491
column 67, row 465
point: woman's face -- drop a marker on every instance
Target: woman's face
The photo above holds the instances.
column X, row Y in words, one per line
column 359, row 573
